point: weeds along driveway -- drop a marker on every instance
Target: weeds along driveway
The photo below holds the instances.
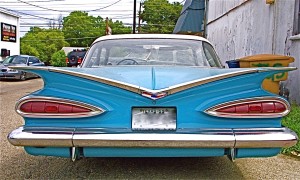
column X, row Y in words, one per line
column 16, row 164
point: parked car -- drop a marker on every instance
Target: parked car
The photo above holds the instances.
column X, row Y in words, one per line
column 151, row 95
column 75, row 57
column 6, row 72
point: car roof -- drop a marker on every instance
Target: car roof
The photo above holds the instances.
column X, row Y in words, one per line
column 23, row 55
column 159, row 36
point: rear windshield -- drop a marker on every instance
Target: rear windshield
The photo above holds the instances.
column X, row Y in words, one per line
column 15, row 60
column 180, row 52
column 77, row 53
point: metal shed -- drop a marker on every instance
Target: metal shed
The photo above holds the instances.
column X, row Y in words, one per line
column 191, row 18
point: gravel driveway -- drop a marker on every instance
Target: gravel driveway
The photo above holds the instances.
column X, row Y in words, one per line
column 16, row 164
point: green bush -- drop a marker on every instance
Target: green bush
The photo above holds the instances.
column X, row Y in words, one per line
column 58, row 59
column 292, row 121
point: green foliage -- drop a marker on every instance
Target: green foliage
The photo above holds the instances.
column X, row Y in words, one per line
column 292, row 121
column 58, row 59
column 42, row 42
column 81, row 30
column 118, row 27
column 28, row 49
column 160, row 15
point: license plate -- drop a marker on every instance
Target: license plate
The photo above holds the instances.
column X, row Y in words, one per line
column 154, row 118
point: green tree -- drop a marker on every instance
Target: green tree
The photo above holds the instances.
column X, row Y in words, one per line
column 119, row 28
column 58, row 59
column 27, row 49
column 81, row 30
column 160, row 16
column 42, row 43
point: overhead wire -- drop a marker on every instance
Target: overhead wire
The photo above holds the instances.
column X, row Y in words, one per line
column 93, row 11
column 19, row 12
column 68, row 11
column 59, row 39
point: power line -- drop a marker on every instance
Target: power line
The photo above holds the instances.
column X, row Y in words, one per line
column 32, row 1
column 68, row 11
column 73, row 10
column 58, row 39
column 19, row 12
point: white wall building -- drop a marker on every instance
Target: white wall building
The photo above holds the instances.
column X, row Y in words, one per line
column 239, row 28
column 9, row 33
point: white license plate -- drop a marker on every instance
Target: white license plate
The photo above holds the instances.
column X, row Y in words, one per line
column 154, row 118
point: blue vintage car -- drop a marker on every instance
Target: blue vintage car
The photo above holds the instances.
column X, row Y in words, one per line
column 147, row 95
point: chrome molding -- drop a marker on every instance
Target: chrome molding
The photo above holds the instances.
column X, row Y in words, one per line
column 139, row 90
column 42, row 137
column 254, row 137
column 169, row 90
column 199, row 138
column 94, row 110
column 212, row 110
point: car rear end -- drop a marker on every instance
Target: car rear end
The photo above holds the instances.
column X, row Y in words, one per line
column 126, row 109
column 75, row 57
column 215, row 116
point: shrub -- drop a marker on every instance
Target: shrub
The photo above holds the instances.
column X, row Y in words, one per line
column 58, row 59
column 292, row 121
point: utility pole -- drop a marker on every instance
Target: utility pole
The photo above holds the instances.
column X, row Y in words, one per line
column 139, row 26
column 134, row 16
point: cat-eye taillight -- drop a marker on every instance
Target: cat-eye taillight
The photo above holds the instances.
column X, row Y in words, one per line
column 261, row 107
column 55, row 108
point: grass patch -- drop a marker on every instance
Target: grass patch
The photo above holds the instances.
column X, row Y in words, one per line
column 292, row 121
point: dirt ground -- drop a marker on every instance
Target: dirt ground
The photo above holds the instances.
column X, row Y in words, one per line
column 16, row 164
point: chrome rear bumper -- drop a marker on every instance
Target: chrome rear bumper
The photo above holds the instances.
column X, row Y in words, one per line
column 196, row 138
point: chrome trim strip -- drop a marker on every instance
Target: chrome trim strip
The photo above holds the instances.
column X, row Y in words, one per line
column 119, row 84
column 94, row 110
column 255, row 137
column 137, row 89
column 42, row 137
column 191, row 84
column 154, row 140
column 263, row 69
column 199, row 138
column 169, row 90
column 212, row 110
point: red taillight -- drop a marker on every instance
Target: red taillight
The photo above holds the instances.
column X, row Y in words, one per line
column 41, row 107
column 67, row 60
column 51, row 107
column 79, row 60
column 257, row 107
column 264, row 107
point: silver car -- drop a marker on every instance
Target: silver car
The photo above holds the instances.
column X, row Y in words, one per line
column 18, row 60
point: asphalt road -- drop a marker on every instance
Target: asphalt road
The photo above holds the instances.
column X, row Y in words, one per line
column 16, row 164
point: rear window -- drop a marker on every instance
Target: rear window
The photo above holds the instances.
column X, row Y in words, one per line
column 77, row 53
column 179, row 52
column 15, row 60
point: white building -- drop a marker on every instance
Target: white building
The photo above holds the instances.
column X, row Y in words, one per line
column 9, row 33
column 239, row 28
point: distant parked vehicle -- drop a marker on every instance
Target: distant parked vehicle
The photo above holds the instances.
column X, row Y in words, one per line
column 18, row 60
column 75, row 57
